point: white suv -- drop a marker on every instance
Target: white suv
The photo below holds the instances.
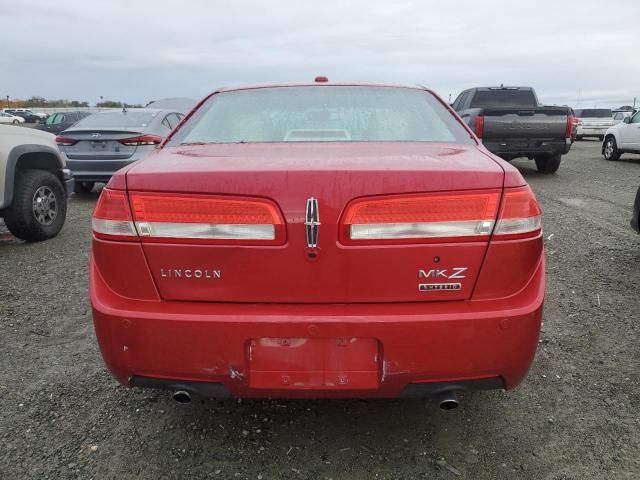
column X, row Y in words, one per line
column 622, row 138
column 593, row 122
column 34, row 183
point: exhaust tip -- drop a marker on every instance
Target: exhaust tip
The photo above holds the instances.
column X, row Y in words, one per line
column 448, row 401
column 180, row 396
column 450, row 404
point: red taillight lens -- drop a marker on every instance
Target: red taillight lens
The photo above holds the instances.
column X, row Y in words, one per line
column 569, row 130
column 65, row 141
column 112, row 217
column 142, row 140
column 207, row 219
column 420, row 218
column 479, row 127
column 520, row 215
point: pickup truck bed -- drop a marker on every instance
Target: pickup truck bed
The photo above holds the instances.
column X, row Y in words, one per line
column 525, row 132
column 511, row 123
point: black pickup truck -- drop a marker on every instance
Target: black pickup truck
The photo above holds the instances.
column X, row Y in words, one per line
column 511, row 123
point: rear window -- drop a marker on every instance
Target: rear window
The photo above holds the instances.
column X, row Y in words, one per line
column 116, row 120
column 593, row 113
column 503, row 98
column 322, row 114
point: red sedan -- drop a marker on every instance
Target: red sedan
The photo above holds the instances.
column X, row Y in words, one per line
column 318, row 240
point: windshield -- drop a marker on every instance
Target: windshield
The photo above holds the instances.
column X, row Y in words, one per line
column 593, row 113
column 503, row 98
column 322, row 114
column 116, row 120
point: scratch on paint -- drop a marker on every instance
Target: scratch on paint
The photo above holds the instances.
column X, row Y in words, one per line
column 235, row 374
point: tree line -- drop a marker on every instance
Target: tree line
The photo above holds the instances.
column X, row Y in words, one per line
column 35, row 102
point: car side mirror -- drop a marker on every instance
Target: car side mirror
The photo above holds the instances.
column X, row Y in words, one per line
column 627, row 120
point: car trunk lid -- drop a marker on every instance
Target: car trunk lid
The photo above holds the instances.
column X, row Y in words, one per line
column 100, row 144
column 332, row 175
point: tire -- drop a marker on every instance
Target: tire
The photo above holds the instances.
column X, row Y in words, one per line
column 578, row 137
column 83, row 187
column 16, row 122
column 548, row 164
column 610, row 149
column 39, row 206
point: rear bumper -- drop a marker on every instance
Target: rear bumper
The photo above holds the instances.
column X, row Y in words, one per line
column 96, row 170
column 447, row 343
column 588, row 131
column 527, row 147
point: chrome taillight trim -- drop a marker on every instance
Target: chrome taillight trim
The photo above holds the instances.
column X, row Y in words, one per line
column 385, row 231
column 510, row 226
column 207, row 231
column 121, row 228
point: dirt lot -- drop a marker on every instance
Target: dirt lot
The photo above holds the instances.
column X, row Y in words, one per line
column 575, row 417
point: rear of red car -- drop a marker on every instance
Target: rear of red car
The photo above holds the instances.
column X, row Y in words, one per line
column 318, row 241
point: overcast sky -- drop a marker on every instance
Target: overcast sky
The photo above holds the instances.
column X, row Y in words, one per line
column 139, row 50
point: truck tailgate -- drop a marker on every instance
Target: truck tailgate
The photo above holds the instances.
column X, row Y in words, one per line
column 542, row 123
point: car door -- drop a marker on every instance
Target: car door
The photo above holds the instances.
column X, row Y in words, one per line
column 50, row 122
column 630, row 134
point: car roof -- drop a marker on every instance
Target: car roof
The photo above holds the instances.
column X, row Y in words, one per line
column 317, row 84
column 501, row 87
column 149, row 110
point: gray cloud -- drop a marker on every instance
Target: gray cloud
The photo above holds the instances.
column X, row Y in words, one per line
column 140, row 50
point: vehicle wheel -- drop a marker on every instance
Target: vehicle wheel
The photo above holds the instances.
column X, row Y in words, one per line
column 578, row 137
column 39, row 206
column 16, row 122
column 83, row 187
column 610, row 150
column 548, row 164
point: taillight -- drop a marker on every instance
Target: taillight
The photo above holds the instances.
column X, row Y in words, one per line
column 206, row 219
column 112, row 217
column 65, row 141
column 142, row 140
column 420, row 218
column 479, row 127
column 568, row 133
column 519, row 216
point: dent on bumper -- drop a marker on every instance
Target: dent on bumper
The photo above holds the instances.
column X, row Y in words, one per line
column 167, row 343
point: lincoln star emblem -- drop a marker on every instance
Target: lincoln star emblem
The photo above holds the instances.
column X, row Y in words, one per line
column 312, row 222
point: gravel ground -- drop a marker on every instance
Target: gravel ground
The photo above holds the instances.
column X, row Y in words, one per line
column 575, row 417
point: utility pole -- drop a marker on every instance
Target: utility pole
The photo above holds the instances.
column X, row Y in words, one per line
column 634, row 103
column 8, row 106
column 579, row 93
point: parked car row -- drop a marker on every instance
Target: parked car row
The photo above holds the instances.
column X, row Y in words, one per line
column 28, row 115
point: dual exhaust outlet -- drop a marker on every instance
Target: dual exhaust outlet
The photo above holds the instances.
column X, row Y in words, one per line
column 447, row 400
